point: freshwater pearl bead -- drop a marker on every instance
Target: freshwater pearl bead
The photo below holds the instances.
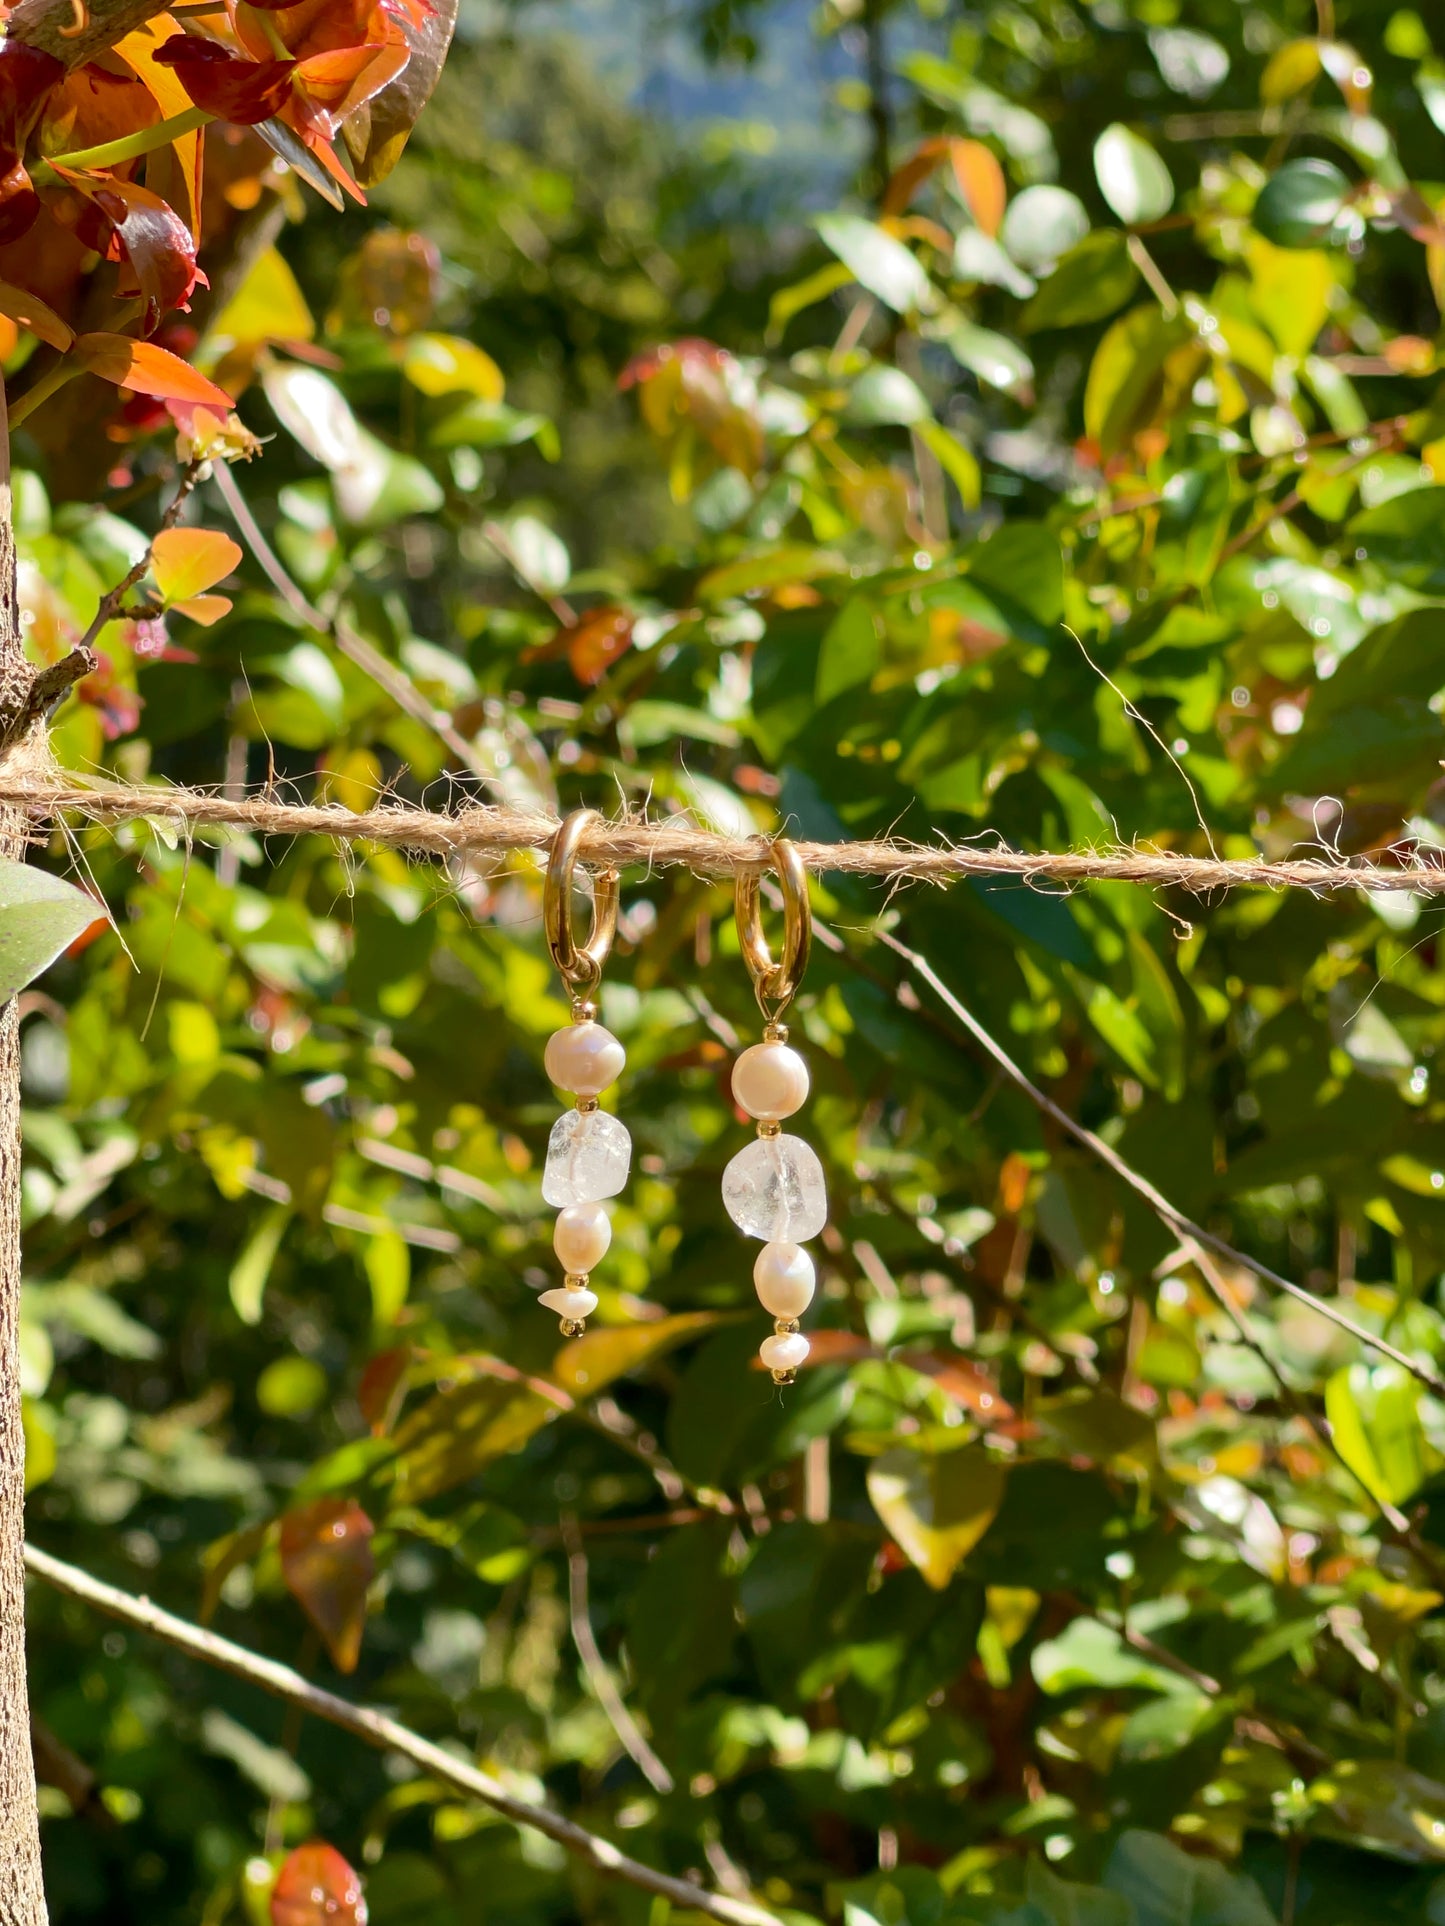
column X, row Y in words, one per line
column 770, row 1081
column 784, row 1276
column 582, row 1235
column 784, row 1351
column 584, row 1059
column 571, row 1304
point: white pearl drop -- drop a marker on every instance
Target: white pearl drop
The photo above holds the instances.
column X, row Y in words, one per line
column 785, row 1277
column 770, row 1082
column 584, row 1059
column 784, row 1350
column 582, row 1236
column 573, row 1305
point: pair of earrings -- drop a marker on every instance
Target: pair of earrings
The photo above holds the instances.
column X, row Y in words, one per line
column 774, row 1189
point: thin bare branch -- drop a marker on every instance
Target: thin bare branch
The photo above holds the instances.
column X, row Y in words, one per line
column 377, row 1729
column 1184, row 1227
column 629, row 1733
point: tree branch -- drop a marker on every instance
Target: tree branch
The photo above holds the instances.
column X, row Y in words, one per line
column 629, row 1733
column 387, row 676
column 377, row 1729
column 1183, row 1227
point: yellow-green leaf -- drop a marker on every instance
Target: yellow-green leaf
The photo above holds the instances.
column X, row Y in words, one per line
column 937, row 1507
column 448, row 364
column 187, row 561
column 588, row 1363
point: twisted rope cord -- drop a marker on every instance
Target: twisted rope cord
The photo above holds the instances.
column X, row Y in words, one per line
column 480, row 828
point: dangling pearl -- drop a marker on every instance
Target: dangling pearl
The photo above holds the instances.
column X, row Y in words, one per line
column 784, row 1351
column 570, row 1302
column 584, row 1059
column 582, row 1236
column 770, row 1081
column 785, row 1277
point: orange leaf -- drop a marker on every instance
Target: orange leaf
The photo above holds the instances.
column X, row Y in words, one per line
column 188, row 561
column 146, row 369
column 31, row 312
column 316, row 1887
column 910, row 175
column 207, row 610
column 595, row 643
column 981, row 182
column 327, row 1564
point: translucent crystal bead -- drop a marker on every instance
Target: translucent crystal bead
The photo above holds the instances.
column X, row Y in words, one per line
column 588, row 1157
column 785, row 1351
column 775, row 1190
column 572, row 1303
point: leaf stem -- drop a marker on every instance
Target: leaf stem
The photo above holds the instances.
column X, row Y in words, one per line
column 111, row 153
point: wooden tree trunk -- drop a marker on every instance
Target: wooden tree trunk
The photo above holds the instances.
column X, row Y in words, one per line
column 22, row 1893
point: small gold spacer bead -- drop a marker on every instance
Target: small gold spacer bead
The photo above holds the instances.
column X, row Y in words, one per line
column 775, row 1032
column 583, row 1010
column 786, row 1326
column 768, row 1128
column 576, row 1280
column 573, row 1327
column 785, row 1378
column 586, row 1105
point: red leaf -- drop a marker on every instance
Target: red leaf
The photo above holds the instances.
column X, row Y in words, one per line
column 26, row 78
column 380, row 1381
column 147, row 370
column 327, row 1564
column 243, row 91
column 595, row 642
column 315, row 1885
column 155, row 239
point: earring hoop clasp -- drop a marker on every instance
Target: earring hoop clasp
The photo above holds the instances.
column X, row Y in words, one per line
column 579, row 964
column 775, row 982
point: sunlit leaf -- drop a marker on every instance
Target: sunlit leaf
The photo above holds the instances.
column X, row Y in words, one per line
column 146, row 369
column 939, row 1506
column 1132, row 178
column 40, row 917
column 878, row 262
column 188, row 561
column 586, row 1365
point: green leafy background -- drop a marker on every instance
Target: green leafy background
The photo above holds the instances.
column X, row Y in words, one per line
column 1080, row 488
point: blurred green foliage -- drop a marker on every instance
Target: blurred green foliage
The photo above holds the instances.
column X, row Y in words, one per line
column 1072, row 477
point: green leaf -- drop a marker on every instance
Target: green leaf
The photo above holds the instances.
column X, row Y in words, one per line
column 1132, row 178
column 252, row 1268
column 884, row 396
column 1041, row 226
column 937, row 1506
column 1374, row 1414
column 803, row 294
column 852, row 649
column 1406, row 535
column 40, row 916
column 878, row 262
column 461, row 1431
column 589, row 1364
column 1092, row 280
column 1300, row 205
column 1089, row 1654
column 994, row 358
column 1169, row 1887
column 956, row 460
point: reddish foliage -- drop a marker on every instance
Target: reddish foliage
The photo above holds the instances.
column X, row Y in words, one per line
column 151, row 235
column 327, row 1564
column 380, row 1382
column 595, row 642
column 27, row 77
column 316, row 1885
column 244, row 91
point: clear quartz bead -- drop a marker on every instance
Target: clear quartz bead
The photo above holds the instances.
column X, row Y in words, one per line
column 589, row 1154
column 775, row 1190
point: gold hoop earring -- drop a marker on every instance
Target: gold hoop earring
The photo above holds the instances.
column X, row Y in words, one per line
column 775, row 1188
column 589, row 1153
